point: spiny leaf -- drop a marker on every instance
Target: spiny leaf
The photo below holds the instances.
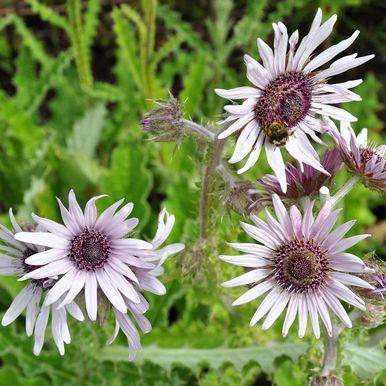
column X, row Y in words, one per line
column 30, row 40
column 167, row 48
column 79, row 43
column 91, row 20
column 47, row 14
column 173, row 21
column 48, row 78
column 366, row 362
column 105, row 92
column 192, row 358
column 125, row 40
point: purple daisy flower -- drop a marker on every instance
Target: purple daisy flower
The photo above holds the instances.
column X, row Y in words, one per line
column 93, row 253
column 13, row 262
column 147, row 281
column 302, row 181
column 363, row 159
column 288, row 94
column 302, row 265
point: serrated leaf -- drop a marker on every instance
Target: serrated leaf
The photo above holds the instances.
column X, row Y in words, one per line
column 48, row 78
column 30, row 40
column 91, row 20
column 191, row 358
column 129, row 177
column 47, row 14
column 86, row 132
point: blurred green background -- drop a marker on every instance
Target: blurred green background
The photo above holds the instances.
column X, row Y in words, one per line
column 76, row 78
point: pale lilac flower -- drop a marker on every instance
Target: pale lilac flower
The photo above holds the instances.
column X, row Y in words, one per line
column 363, row 159
column 288, row 95
column 94, row 254
column 380, row 286
column 300, row 264
column 13, row 262
column 147, row 282
column 302, row 181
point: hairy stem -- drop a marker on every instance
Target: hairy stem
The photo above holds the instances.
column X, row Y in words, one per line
column 330, row 350
column 199, row 129
column 226, row 175
column 331, row 343
column 213, row 162
column 345, row 189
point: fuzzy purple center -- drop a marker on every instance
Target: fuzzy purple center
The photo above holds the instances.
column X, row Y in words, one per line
column 286, row 99
column 367, row 154
column 301, row 266
column 90, row 250
column 27, row 268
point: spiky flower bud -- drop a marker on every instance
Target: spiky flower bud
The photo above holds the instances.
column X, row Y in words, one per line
column 377, row 278
column 240, row 200
column 165, row 121
column 373, row 317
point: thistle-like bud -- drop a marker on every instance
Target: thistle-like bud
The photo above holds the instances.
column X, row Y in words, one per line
column 377, row 278
column 302, row 181
column 373, row 317
column 325, row 381
column 240, row 199
column 165, row 121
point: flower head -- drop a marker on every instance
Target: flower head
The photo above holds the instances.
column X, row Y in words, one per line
column 287, row 95
column 302, row 181
column 363, row 159
column 94, row 254
column 302, row 265
column 148, row 281
column 165, row 121
column 13, row 262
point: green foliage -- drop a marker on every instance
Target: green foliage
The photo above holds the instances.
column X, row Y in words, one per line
column 129, row 177
column 191, row 358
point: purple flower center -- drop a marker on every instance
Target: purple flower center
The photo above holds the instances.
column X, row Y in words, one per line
column 300, row 266
column 27, row 268
column 90, row 250
column 367, row 154
column 285, row 101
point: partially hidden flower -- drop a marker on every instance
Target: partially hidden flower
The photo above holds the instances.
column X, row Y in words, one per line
column 147, row 282
column 93, row 254
column 13, row 263
column 302, row 265
column 365, row 160
column 302, row 180
column 288, row 95
column 165, row 122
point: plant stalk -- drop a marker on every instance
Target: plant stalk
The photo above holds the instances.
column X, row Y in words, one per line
column 214, row 161
column 330, row 350
column 344, row 190
column 193, row 126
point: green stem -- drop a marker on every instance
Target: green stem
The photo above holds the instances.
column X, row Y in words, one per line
column 82, row 55
column 199, row 129
column 214, row 161
column 330, row 350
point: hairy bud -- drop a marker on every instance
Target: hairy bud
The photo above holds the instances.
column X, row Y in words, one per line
column 373, row 317
column 240, row 200
column 377, row 278
column 165, row 121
